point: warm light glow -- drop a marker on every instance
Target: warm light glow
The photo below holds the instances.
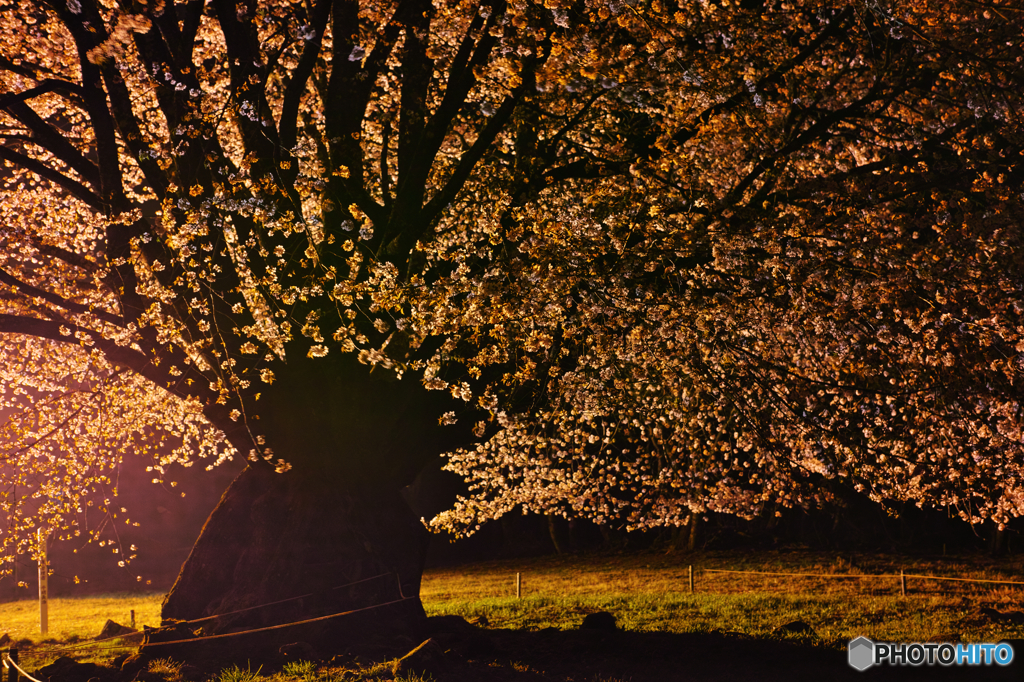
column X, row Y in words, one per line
column 668, row 260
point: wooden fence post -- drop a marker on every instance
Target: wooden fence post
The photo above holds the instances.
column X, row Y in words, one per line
column 12, row 674
column 44, row 593
column 903, row 584
column 519, row 586
column 691, row 578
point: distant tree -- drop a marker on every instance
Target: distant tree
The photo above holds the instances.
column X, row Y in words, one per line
column 620, row 260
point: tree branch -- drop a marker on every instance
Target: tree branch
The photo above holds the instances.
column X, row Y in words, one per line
column 469, row 160
column 46, row 137
column 51, row 330
column 50, row 297
column 45, row 86
column 75, row 188
column 300, row 76
column 837, row 26
column 417, row 71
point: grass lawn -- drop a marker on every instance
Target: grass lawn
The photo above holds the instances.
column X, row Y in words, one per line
column 78, row 617
column 649, row 593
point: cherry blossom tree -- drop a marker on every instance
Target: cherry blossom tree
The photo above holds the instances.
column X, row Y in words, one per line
column 630, row 261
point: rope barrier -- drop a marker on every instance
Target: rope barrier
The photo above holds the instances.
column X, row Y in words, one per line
column 81, row 648
column 17, row 667
column 44, row 652
column 966, row 580
column 97, row 642
column 889, row 576
column 804, row 575
column 87, row 645
column 276, row 627
column 281, row 601
column 5, row 658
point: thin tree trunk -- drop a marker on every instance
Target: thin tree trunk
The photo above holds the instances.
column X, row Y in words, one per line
column 557, row 536
column 998, row 542
column 694, row 533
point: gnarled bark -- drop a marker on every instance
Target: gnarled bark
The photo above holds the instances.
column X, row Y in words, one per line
column 290, row 548
column 331, row 536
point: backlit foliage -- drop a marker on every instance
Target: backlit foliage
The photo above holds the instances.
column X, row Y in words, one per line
column 673, row 258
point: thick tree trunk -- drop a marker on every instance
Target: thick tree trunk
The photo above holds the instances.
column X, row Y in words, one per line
column 286, row 548
column 332, row 536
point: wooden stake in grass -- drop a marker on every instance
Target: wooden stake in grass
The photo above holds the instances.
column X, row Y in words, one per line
column 519, row 586
column 691, row 579
column 132, row 617
column 44, row 597
column 12, row 674
column 903, row 584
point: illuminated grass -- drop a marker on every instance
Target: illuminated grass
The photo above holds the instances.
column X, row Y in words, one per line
column 649, row 592
column 834, row 619
column 78, row 617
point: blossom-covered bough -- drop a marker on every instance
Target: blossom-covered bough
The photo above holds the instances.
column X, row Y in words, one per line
column 629, row 261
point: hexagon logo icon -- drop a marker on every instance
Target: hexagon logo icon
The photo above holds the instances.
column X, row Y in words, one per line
column 861, row 653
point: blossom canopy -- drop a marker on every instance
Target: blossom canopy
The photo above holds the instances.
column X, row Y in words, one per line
column 658, row 259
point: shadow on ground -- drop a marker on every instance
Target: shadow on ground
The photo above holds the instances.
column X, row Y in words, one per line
column 457, row 651
column 599, row 655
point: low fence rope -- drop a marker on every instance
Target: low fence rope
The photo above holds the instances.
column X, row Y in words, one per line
column 89, row 644
column 282, row 601
column 966, row 580
column 863, row 576
column 86, row 646
column 805, row 575
column 194, row 640
column 97, row 643
column 9, row 663
column 104, row 642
